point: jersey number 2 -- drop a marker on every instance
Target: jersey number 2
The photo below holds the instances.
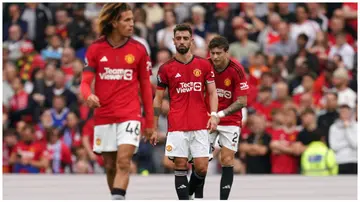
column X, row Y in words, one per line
column 234, row 140
column 131, row 129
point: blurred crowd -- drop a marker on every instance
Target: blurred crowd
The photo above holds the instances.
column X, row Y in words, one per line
column 300, row 59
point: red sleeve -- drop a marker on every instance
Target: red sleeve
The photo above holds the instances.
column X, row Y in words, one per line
column 146, row 90
column 88, row 128
column 242, row 87
column 209, row 73
column 162, row 80
column 88, row 73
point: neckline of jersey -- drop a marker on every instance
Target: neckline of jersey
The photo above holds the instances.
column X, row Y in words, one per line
column 185, row 63
column 116, row 47
column 228, row 65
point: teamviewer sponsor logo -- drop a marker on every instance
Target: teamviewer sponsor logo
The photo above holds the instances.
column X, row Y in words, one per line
column 188, row 87
column 224, row 93
column 116, row 74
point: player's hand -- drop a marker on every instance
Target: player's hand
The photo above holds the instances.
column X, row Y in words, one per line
column 153, row 139
column 93, row 101
column 93, row 156
column 212, row 123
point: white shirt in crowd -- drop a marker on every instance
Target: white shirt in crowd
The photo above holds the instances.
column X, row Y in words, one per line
column 348, row 97
column 346, row 52
column 309, row 28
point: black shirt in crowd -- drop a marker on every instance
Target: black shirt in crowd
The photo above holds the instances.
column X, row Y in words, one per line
column 258, row 164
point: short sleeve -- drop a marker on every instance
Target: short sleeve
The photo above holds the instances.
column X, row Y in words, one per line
column 90, row 60
column 144, row 65
column 209, row 73
column 162, row 79
column 241, row 83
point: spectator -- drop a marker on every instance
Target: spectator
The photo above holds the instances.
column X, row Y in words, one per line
column 285, row 14
column 343, row 140
column 62, row 21
column 46, row 122
column 29, row 60
column 343, row 49
column 71, row 132
column 345, row 94
column 330, row 114
column 28, row 155
column 316, row 15
column 49, row 76
column 243, row 48
column 308, row 134
column 282, row 159
column 54, row 50
column 282, row 93
column 307, row 86
column 38, row 17
column 318, row 159
column 258, row 67
column 15, row 15
column 154, row 13
column 75, row 81
column 89, row 39
column 304, row 26
column 264, row 104
column 337, row 25
column 350, row 13
column 256, row 147
column 13, row 44
column 57, row 152
column 270, row 34
column 142, row 40
column 9, row 142
column 59, row 88
column 59, row 112
column 164, row 37
column 303, row 55
column 140, row 22
column 162, row 56
column 198, row 19
column 9, row 74
column 67, row 63
column 323, row 82
column 256, row 24
column 321, row 49
column 221, row 21
column 285, row 46
column 79, row 27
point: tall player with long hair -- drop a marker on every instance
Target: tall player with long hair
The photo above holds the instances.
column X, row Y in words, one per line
column 120, row 66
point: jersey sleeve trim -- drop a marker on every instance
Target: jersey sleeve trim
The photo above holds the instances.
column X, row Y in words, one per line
column 89, row 69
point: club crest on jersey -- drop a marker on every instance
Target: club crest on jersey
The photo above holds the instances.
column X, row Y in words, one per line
column 227, row 82
column 98, row 141
column 197, row 72
column 129, row 58
column 169, row 148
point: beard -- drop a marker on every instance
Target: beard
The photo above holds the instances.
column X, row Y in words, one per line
column 182, row 49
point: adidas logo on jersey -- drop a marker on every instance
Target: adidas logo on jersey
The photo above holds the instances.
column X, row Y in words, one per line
column 104, row 59
column 178, row 75
column 181, row 187
column 226, row 187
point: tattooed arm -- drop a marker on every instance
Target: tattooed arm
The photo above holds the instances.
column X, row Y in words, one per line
column 234, row 107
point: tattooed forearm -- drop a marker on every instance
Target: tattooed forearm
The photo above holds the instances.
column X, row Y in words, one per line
column 236, row 106
column 157, row 111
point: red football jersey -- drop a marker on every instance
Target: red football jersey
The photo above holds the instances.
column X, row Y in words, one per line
column 186, row 84
column 230, row 84
column 117, row 74
column 284, row 163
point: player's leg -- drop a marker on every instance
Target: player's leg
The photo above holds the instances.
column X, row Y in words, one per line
column 110, row 167
column 199, row 189
column 105, row 144
column 228, row 139
column 200, row 150
column 124, row 156
column 127, row 140
column 177, row 148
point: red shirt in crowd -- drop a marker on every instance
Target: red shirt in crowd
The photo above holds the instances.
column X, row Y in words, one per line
column 284, row 163
column 266, row 110
column 33, row 152
column 59, row 155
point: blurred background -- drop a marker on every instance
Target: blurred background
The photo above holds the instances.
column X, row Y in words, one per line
column 300, row 59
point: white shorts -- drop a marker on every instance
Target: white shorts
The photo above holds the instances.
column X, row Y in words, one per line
column 108, row 137
column 228, row 137
column 185, row 144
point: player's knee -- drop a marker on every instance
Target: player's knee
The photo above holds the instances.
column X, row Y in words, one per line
column 123, row 165
column 227, row 160
column 110, row 166
column 180, row 165
column 201, row 170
